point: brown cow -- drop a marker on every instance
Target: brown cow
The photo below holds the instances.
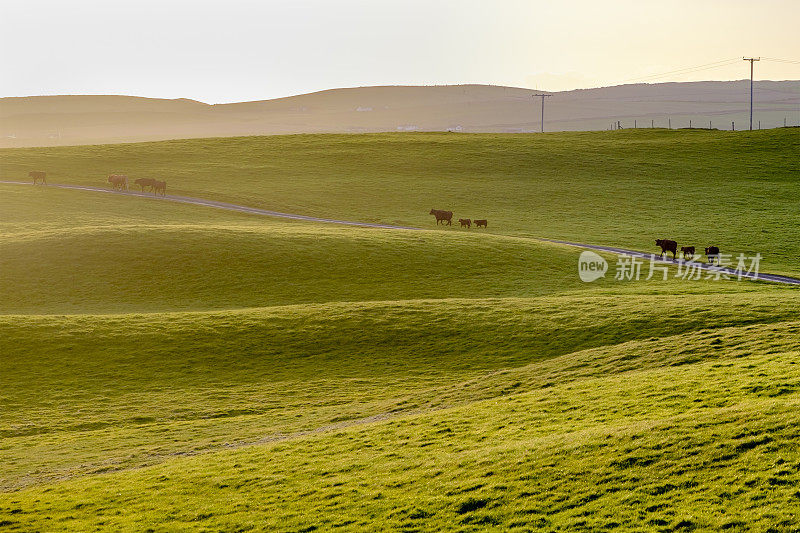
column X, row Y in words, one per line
column 479, row 223
column 712, row 252
column 688, row 251
column 119, row 181
column 465, row 222
column 160, row 187
column 442, row 216
column 145, row 182
column 667, row 245
column 38, row 175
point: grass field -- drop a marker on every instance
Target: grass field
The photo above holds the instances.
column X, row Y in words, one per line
column 169, row 367
column 627, row 188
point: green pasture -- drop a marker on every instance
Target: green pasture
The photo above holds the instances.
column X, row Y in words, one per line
column 736, row 190
column 170, row 367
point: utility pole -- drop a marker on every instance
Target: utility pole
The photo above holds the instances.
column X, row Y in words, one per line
column 543, row 97
column 751, row 60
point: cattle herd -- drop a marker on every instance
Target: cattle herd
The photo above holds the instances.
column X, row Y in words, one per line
column 118, row 182
column 666, row 245
column 38, row 175
column 446, row 218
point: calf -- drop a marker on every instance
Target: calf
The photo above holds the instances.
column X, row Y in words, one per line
column 712, row 252
column 479, row 223
column 465, row 222
column 688, row 251
column 667, row 245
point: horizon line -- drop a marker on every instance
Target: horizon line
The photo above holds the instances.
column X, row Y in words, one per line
column 319, row 91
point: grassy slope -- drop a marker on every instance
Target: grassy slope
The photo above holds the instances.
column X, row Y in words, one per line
column 497, row 374
column 215, row 378
column 736, row 190
column 385, row 335
column 73, row 252
column 711, row 442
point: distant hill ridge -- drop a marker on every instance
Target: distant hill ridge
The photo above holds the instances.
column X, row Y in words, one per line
column 88, row 119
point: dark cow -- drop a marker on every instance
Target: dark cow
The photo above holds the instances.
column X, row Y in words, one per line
column 465, row 222
column 712, row 252
column 479, row 223
column 442, row 216
column 688, row 251
column 118, row 181
column 667, row 245
column 145, row 182
column 38, row 175
column 160, row 187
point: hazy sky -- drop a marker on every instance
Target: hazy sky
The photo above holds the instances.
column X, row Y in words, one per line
column 234, row 50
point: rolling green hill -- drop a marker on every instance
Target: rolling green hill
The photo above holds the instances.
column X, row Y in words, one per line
column 709, row 445
column 174, row 367
column 626, row 188
column 74, row 252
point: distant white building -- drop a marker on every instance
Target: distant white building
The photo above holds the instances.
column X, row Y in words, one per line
column 363, row 108
column 408, row 127
column 456, row 128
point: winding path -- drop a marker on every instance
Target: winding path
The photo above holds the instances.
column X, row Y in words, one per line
column 212, row 203
column 265, row 212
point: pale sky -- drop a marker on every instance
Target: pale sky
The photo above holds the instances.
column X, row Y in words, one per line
column 238, row 50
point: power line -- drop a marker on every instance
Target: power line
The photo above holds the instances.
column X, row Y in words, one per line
column 687, row 70
column 705, row 66
column 782, row 60
column 700, row 68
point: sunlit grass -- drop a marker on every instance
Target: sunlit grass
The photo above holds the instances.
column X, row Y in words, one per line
column 625, row 188
column 173, row 367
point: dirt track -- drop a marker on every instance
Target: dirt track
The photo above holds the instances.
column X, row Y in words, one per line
column 213, row 203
